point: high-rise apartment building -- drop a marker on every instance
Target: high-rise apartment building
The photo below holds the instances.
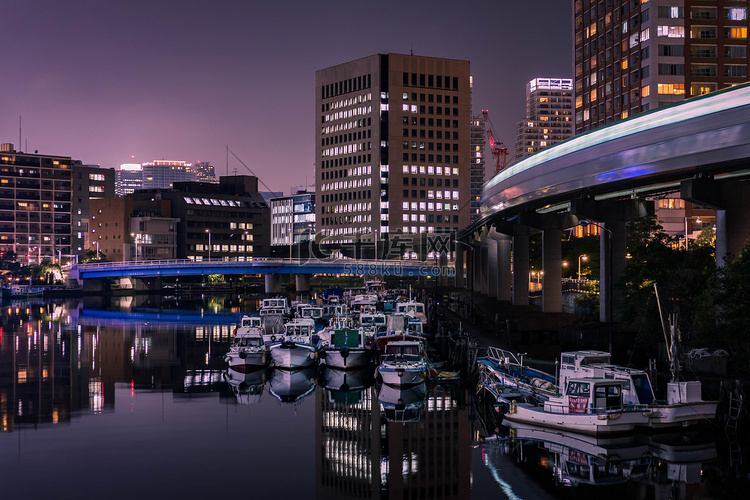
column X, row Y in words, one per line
column 549, row 116
column 392, row 148
column 203, row 171
column 632, row 56
column 35, row 205
column 90, row 182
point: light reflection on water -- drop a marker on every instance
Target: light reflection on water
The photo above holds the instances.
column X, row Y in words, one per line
column 142, row 404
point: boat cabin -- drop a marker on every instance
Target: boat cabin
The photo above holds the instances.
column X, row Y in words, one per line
column 405, row 348
column 313, row 312
column 373, row 320
column 300, row 327
column 637, row 388
column 589, row 395
column 412, row 307
column 251, row 322
column 275, row 303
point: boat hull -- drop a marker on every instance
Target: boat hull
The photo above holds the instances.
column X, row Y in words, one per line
column 402, row 374
column 246, row 361
column 676, row 415
column 293, row 355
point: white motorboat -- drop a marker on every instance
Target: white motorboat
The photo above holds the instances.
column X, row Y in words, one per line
column 683, row 406
column 588, row 405
column 249, row 349
column 299, row 347
column 403, row 363
column 412, row 307
column 275, row 305
column 347, row 349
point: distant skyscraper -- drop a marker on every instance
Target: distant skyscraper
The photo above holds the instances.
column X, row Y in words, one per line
column 635, row 56
column 162, row 174
column 549, row 120
column 382, row 170
column 128, row 178
column 204, row 172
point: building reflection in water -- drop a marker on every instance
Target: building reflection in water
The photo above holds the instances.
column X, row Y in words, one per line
column 402, row 444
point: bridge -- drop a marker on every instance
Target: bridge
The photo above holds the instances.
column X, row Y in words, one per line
column 699, row 148
column 147, row 273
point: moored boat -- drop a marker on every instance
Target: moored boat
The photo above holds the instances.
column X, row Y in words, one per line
column 249, row 349
column 299, row 347
column 404, row 363
column 347, row 349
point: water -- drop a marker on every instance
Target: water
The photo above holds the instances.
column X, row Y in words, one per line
column 115, row 404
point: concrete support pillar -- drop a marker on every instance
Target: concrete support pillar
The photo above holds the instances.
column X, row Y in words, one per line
column 460, row 278
column 493, row 262
column 722, row 240
column 552, row 266
column 147, row 285
column 273, row 283
column 484, row 268
column 504, row 266
column 302, row 282
column 443, row 265
column 521, row 270
column 96, row 286
column 476, row 268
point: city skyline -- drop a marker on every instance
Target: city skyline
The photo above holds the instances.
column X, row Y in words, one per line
column 109, row 84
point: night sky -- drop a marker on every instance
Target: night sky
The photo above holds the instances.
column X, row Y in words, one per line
column 111, row 82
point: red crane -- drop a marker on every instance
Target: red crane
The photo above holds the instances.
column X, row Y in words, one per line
column 498, row 148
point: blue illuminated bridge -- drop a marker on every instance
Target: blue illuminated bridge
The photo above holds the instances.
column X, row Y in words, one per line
column 176, row 268
column 697, row 150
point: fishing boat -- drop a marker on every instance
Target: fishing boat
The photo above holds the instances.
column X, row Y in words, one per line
column 587, row 405
column 250, row 349
column 274, row 305
column 25, row 292
column 414, row 308
column 508, row 369
column 683, row 405
column 299, row 347
column 404, row 363
column 399, row 327
column 347, row 349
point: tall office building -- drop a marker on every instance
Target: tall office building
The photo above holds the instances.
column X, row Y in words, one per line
column 632, row 56
column 128, row 178
column 204, row 172
column 162, row 174
column 35, row 205
column 385, row 170
column 293, row 223
column 477, row 164
column 549, row 116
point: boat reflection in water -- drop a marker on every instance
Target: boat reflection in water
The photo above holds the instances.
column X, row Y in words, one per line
column 347, row 386
column 292, row 386
column 402, row 404
column 247, row 387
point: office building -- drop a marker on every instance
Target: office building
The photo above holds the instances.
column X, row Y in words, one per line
column 549, row 116
column 392, row 148
column 35, row 205
column 128, row 178
column 477, row 164
column 162, row 174
column 204, row 172
column 293, row 224
column 89, row 182
column 632, row 56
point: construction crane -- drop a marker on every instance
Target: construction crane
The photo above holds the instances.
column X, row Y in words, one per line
column 498, row 148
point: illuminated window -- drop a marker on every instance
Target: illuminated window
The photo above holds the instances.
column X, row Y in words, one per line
column 740, row 32
column 671, row 31
column 671, row 88
column 645, row 91
column 736, row 14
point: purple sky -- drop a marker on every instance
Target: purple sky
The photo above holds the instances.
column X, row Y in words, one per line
column 102, row 81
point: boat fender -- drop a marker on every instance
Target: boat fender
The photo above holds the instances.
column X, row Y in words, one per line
column 512, row 406
column 273, row 338
column 243, row 354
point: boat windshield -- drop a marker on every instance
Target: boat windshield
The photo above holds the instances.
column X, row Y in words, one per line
column 403, row 350
column 255, row 341
column 643, row 389
column 595, row 360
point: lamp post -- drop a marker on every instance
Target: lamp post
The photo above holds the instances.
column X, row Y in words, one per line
column 581, row 257
column 97, row 249
column 585, row 223
column 471, row 248
column 209, row 243
column 135, row 244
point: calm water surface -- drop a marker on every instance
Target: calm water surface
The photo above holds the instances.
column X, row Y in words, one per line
column 139, row 404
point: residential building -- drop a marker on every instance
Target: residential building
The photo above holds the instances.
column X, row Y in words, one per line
column 632, row 56
column 549, row 116
column 392, row 172
column 35, row 205
column 293, row 224
column 128, row 178
column 89, row 182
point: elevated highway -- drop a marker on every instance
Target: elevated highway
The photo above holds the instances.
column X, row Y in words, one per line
column 699, row 148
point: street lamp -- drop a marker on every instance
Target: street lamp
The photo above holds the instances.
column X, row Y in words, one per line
column 580, row 258
column 470, row 247
column 585, row 223
column 135, row 244
column 697, row 220
column 97, row 249
column 209, row 243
